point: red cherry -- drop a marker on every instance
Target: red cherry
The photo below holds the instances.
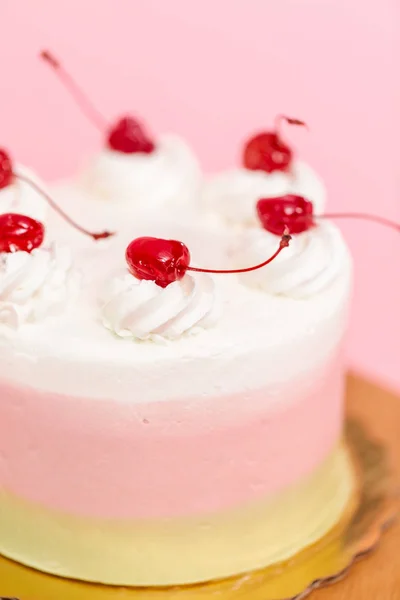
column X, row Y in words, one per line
column 128, row 136
column 294, row 214
column 166, row 261
column 267, row 152
column 6, row 172
column 154, row 259
column 18, row 232
column 291, row 212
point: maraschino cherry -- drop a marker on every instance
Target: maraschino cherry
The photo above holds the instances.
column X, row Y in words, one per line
column 20, row 233
column 6, row 172
column 127, row 135
column 292, row 212
column 166, row 261
column 295, row 214
column 155, row 259
column 7, row 177
column 267, row 151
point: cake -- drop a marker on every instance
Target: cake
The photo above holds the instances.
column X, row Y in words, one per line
column 162, row 424
column 134, row 173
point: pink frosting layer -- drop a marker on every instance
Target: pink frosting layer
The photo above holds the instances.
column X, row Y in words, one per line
column 107, row 459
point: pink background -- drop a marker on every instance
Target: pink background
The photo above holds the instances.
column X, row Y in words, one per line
column 215, row 70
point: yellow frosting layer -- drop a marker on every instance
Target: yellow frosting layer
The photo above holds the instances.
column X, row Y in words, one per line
column 178, row 551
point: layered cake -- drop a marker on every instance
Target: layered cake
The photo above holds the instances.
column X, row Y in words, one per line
column 171, row 366
column 162, row 426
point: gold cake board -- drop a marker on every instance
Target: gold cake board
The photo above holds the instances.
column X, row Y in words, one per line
column 372, row 429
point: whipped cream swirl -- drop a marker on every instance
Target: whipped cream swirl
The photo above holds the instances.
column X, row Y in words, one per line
column 21, row 198
column 232, row 196
column 169, row 174
column 143, row 310
column 313, row 260
column 35, row 285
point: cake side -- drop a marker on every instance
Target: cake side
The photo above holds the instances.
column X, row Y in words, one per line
column 174, row 551
column 171, row 458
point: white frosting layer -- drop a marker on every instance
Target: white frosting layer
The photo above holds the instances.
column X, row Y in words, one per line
column 259, row 339
column 232, row 196
column 313, row 260
column 21, row 198
column 35, row 285
column 144, row 310
column 170, row 174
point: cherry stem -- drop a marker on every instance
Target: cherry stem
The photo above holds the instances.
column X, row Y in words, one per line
column 289, row 120
column 284, row 243
column 363, row 216
column 95, row 236
column 80, row 97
